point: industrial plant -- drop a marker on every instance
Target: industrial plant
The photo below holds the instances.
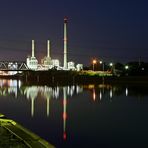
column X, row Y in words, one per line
column 48, row 63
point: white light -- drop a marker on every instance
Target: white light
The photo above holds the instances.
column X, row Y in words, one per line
column 111, row 64
column 100, row 95
column 111, row 93
column 126, row 67
column 126, row 92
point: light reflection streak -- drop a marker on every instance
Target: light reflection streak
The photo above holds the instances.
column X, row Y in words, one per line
column 64, row 112
column 126, row 91
column 94, row 94
column 47, row 94
column 100, row 95
column 111, row 93
column 9, row 87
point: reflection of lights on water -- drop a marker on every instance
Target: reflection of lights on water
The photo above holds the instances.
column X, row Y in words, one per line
column 48, row 104
column 13, row 83
column 90, row 86
column 111, row 93
column 32, row 92
column 64, row 112
column 94, row 94
column 70, row 90
column 45, row 91
column 126, row 91
column 55, row 92
column 79, row 89
column 19, row 84
column 32, row 107
column 100, row 95
column 64, row 136
column 11, row 86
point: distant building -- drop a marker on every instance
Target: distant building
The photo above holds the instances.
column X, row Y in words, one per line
column 32, row 62
column 79, row 67
column 71, row 66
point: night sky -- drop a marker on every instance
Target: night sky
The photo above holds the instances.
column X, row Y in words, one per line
column 110, row 30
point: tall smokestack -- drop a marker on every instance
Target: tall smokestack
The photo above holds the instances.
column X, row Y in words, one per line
column 48, row 48
column 65, row 43
column 32, row 48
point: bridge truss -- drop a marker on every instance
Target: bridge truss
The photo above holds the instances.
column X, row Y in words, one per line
column 13, row 66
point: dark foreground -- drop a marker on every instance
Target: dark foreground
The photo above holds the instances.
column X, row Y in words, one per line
column 14, row 135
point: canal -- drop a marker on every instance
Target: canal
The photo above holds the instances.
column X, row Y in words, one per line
column 79, row 115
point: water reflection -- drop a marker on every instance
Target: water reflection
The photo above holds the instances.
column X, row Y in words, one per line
column 100, row 93
column 126, row 91
column 9, row 87
column 64, row 112
column 16, row 88
column 104, row 91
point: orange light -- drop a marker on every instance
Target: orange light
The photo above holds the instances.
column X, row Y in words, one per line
column 94, row 95
column 94, row 61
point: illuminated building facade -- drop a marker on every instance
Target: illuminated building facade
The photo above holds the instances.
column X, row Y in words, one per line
column 32, row 62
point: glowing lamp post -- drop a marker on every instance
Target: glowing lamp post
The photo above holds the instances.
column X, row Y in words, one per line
column 126, row 67
column 94, row 62
column 101, row 62
column 111, row 67
column 111, row 64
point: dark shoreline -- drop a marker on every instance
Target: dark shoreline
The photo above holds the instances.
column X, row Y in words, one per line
column 69, row 77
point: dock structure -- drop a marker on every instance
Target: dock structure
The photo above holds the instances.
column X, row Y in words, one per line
column 13, row 134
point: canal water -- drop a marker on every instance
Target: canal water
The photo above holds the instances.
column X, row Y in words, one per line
column 80, row 116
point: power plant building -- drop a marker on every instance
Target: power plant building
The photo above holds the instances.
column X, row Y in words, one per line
column 32, row 62
column 47, row 62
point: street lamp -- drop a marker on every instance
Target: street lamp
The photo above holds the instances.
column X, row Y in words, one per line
column 101, row 62
column 111, row 67
column 126, row 67
column 94, row 62
column 110, row 64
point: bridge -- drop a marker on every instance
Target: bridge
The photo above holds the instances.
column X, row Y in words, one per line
column 13, row 66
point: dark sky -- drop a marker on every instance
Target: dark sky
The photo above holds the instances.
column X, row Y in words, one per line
column 111, row 30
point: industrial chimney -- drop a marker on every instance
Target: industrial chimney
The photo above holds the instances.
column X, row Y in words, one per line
column 48, row 49
column 32, row 62
column 65, row 43
column 32, row 48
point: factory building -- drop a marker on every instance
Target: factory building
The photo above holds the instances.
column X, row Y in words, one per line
column 48, row 63
column 32, row 62
column 71, row 65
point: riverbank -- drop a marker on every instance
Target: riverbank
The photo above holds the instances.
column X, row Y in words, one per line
column 15, row 135
column 73, row 77
column 54, row 77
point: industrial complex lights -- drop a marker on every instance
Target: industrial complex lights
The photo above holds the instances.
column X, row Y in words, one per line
column 49, row 63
